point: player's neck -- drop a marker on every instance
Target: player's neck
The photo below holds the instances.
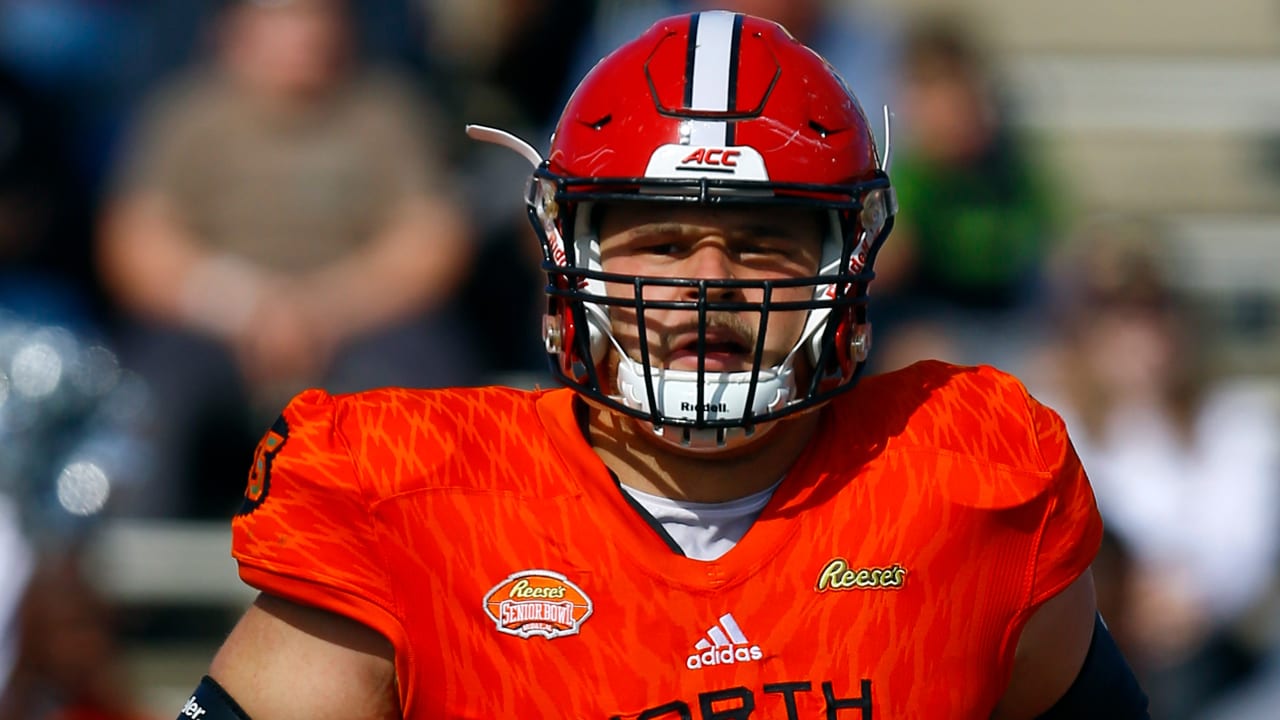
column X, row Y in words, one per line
column 646, row 464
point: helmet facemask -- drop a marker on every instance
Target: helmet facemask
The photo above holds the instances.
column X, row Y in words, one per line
column 705, row 410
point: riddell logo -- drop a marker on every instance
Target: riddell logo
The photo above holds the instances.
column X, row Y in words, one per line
column 704, row 407
column 724, row 645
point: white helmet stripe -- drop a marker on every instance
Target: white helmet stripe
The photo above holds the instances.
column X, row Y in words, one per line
column 713, row 59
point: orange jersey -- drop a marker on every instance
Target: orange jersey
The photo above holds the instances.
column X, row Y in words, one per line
column 888, row 577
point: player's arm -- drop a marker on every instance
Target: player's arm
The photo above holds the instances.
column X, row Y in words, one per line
column 285, row 661
column 1067, row 665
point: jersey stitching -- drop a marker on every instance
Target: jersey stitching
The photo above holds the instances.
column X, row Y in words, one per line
column 397, row 608
column 1021, row 617
column 944, row 452
column 1032, row 562
column 464, row 490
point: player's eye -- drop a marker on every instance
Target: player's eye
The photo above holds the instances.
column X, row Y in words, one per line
column 762, row 248
column 765, row 247
column 661, row 248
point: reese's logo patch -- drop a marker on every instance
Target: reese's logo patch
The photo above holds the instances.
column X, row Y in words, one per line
column 838, row 575
column 537, row 602
column 255, row 491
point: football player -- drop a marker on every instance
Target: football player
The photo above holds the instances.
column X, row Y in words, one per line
column 713, row 519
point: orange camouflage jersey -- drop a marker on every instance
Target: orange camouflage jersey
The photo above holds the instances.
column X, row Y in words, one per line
column 888, row 577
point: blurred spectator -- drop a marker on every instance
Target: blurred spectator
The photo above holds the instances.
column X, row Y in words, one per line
column 1186, row 466
column 283, row 220
column 86, row 57
column 16, row 564
column 978, row 213
column 504, row 63
column 68, row 665
column 485, row 48
column 66, row 410
column 96, row 59
column 43, row 245
column 1259, row 696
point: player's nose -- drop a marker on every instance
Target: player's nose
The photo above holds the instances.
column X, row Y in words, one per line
column 710, row 260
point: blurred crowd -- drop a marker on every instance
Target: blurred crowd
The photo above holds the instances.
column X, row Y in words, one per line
column 208, row 206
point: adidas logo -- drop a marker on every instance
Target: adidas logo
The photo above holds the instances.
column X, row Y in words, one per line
column 724, row 645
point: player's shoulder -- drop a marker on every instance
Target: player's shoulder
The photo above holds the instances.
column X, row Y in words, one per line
column 401, row 439
column 453, row 405
column 931, row 395
column 370, row 411
column 934, row 413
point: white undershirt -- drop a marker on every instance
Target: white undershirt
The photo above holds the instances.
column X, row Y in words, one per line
column 704, row 531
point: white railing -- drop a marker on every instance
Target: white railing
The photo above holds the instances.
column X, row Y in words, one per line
column 167, row 562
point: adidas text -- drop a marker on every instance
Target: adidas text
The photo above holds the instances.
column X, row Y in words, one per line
column 724, row 644
column 723, row 656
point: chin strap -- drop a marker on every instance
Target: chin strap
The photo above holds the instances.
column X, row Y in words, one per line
column 724, row 398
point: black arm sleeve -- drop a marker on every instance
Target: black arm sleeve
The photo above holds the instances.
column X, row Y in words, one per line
column 211, row 702
column 1105, row 689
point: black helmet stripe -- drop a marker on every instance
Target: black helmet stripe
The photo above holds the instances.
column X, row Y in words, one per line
column 731, row 103
column 711, row 72
column 691, row 53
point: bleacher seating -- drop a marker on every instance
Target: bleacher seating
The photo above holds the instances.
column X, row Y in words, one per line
column 1169, row 108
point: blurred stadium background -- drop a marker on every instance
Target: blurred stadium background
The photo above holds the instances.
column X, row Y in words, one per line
column 1161, row 110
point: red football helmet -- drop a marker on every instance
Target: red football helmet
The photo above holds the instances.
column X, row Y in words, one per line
column 712, row 108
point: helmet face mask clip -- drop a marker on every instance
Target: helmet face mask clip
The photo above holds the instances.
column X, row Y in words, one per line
column 709, row 110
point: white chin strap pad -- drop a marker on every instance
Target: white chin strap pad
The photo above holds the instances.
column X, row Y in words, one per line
column 724, row 398
column 724, row 394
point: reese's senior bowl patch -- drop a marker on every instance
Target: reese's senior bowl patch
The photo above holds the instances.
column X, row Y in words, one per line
column 537, row 602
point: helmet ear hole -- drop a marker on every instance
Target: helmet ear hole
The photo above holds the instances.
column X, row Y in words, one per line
column 860, row 342
column 553, row 335
column 852, row 346
column 560, row 338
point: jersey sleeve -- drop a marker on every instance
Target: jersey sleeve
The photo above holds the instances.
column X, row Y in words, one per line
column 1071, row 532
column 304, row 531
